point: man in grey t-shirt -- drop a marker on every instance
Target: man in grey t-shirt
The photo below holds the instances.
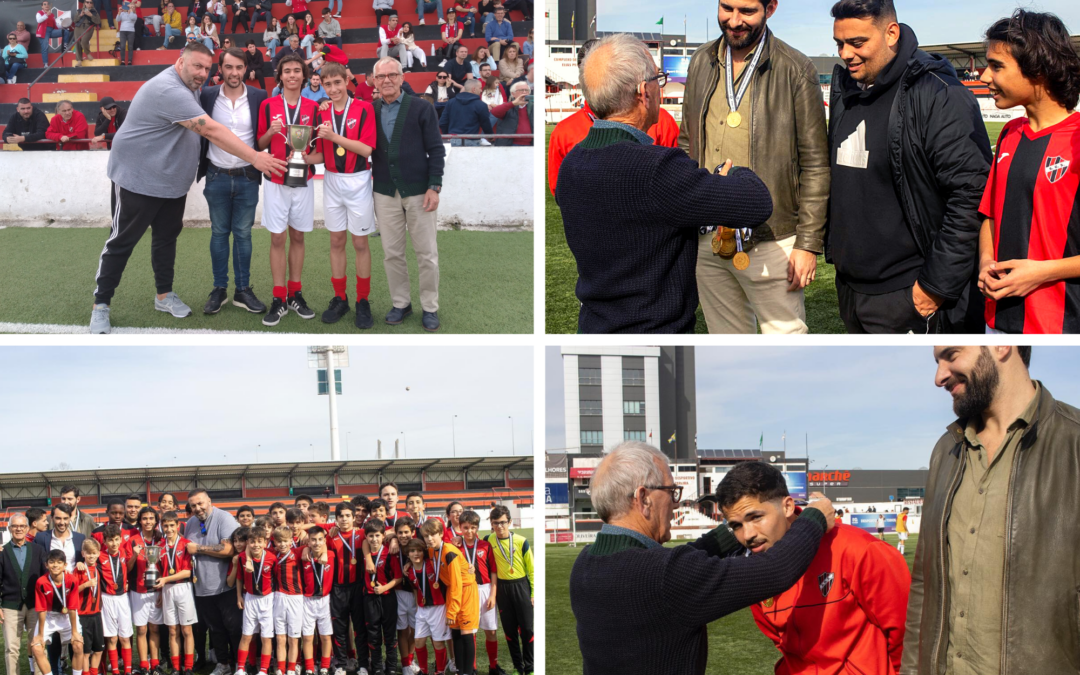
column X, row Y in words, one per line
column 152, row 165
column 209, row 532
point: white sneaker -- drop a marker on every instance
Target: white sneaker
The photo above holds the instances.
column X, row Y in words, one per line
column 241, row 671
column 451, row 666
column 421, row 23
column 339, row 671
column 442, row 22
column 362, row 671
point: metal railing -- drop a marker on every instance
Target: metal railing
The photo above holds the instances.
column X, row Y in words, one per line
column 49, row 66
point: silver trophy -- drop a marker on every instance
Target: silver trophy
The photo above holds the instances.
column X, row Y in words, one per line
column 297, row 137
column 153, row 557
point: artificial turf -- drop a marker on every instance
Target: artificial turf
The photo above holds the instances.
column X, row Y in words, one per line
column 485, row 284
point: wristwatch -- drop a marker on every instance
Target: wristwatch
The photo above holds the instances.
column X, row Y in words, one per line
column 435, row 188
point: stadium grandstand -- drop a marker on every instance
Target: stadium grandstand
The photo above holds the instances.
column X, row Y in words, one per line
column 477, row 482
column 103, row 76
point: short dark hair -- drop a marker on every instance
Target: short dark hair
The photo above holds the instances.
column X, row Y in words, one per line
column 170, row 517
column 342, row 507
column 149, row 509
column 240, row 534
column 877, row 10
column 136, row 497
column 56, row 555
column 276, row 505
column 1041, row 45
column 759, row 480
column 60, row 506
column 70, row 488
column 245, row 508
column 321, row 508
column 361, row 502
column 374, row 525
column 416, row 545
column 325, row 10
column 388, row 483
column 196, row 48
column 250, row 43
column 112, row 531
column 163, row 495
column 377, row 503
column 294, row 515
column 469, row 518
column 404, row 521
column 291, row 58
column 34, row 514
column 1025, row 352
column 234, row 52
column 314, row 530
column 196, row 492
column 417, row 494
column 114, row 502
column 500, row 511
column 302, row 498
column 23, row 101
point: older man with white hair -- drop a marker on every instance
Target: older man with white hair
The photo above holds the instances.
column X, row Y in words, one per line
column 642, row 607
column 632, row 211
column 22, row 562
column 516, row 114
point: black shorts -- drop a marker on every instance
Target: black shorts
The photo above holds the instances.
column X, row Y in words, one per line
column 93, row 633
column 881, row 530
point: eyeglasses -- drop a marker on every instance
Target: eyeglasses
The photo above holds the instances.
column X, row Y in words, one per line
column 661, row 79
column 441, row 77
column 391, row 76
column 674, row 490
column 500, row 523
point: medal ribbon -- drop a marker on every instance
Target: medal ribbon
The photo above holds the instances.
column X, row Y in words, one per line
column 344, row 116
column 352, row 548
column 510, row 558
column 60, row 592
column 475, row 552
column 423, row 579
column 296, row 116
column 438, row 562
column 258, row 575
column 735, row 98
column 378, row 561
column 318, row 569
column 117, row 579
column 171, row 553
column 93, row 582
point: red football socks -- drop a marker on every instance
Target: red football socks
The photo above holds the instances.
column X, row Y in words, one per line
column 421, row 658
column 407, row 661
column 492, row 652
column 281, row 666
column 241, row 654
column 294, row 286
column 175, row 662
column 126, row 653
column 279, row 292
column 189, row 661
column 264, row 663
column 309, row 665
column 339, row 287
column 324, row 662
column 440, row 660
column 114, row 661
column 363, row 288
column 144, row 665
column 154, row 663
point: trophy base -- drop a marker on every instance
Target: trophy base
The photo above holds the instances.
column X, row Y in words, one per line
column 296, row 175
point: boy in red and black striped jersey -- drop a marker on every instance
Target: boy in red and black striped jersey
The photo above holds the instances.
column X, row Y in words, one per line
column 288, row 598
column 115, row 514
column 1029, row 247
column 345, row 598
column 256, row 576
column 430, row 607
column 481, row 561
column 88, row 581
column 319, row 513
column 56, row 600
column 414, row 504
column 145, row 601
column 115, row 608
column 177, row 594
column 296, row 519
column 317, row 579
column 406, row 601
column 380, row 603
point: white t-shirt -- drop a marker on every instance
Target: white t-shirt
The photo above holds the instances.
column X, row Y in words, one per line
column 67, row 546
column 237, row 117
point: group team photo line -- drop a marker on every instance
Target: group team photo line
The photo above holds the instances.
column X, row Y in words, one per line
column 317, row 588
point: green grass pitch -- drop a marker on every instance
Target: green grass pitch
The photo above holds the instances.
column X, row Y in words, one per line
column 822, row 313
column 735, row 643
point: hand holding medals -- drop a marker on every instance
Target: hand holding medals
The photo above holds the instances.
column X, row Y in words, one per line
column 727, row 242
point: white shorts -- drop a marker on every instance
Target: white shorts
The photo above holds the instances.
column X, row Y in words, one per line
column 116, row 615
column 288, row 614
column 348, row 202
column 144, row 609
column 902, row 535
column 58, row 622
column 431, row 622
column 317, row 615
column 489, row 620
column 259, row 614
column 285, row 207
column 406, row 610
column 178, row 605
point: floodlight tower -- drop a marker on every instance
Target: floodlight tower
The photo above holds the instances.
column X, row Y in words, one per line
column 330, row 359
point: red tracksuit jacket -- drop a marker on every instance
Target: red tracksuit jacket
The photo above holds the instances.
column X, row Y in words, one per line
column 846, row 614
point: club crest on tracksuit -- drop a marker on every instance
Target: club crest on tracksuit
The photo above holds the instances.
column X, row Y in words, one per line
column 1055, row 168
column 824, row 581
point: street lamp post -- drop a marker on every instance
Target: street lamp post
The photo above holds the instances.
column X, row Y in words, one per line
column 453, row 431
column 404, row 448
column 257, row 453
column 513, row 448
column 347, row 434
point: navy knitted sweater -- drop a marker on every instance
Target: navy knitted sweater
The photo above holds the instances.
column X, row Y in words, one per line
column 645, row 610
column 631, row 214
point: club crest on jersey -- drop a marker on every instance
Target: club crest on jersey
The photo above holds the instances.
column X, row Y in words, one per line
column 824, row 581
column 304, row 119
column 351, row 123
column 1055, row 168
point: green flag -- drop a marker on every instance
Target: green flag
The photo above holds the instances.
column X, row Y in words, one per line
column 761, row 441
column 660, row 22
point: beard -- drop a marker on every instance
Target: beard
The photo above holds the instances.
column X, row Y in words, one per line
column 751, row 37
column 982, row 384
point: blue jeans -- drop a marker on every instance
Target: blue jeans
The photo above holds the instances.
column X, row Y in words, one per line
column 426, row 7
column 170, row 32
column 49, row 34
column 105, row 9
column 272, row 47
column 306, row 44
column 340, row 5
column 232, row 201
column 209, row 42
column 12, row 70
column 464, row 141
column 261, row 15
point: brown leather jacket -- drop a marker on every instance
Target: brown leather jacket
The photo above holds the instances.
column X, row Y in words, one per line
column 790, row 153
column 1041, row 612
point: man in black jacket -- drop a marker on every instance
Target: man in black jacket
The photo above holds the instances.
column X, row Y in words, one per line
column 21, row 563
column 27, row 125
column 909, row 156
column 108, row 120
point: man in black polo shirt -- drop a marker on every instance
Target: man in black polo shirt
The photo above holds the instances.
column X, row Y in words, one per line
column 27, row 125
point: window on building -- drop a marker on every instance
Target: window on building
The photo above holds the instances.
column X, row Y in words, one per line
column 562, row 50
column 633, row 377
column 591, row 408
column 588, row 376
column 633, row 435
column 633, row 407
column 592, row 437
column 906, row 493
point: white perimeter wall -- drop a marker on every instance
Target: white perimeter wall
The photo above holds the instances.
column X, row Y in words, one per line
column 482, row 187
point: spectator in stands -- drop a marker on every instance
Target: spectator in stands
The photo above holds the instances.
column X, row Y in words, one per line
column 308, row 31
column 291, row 28
column 330, row 53
column 340, row 4
column 499, row 33
column 481, row 57
column 27, row 125
column 493, row 92
column 407, row 199
column 22, row 563
column 524, row 6
column 516, row 115
column 298, row 9
column 330, row 29
column 383, row 8
column 154, row 19
column 211, row 34
column 466, row 114
column 105, row 11
column 47, row 30
column 423, row 7
column 108, row 120
column 262, row 12
column 441, row 91
column 66, row 124
column 314, row 90
column 193, row 32
column 293, row 47
column 22, row 35
column 459, row 67
column 126, row 35
column 527, row 47
column 364, row 90
column 527, row 78
column 466, row 13
column 170, row 21
column 412, row 52
column 254, row 60
column 452, row 32
column 217, row 11
column 85, row 22
column 14, row 56
column 272, row 37
column 486, row 10
column 242, row 14
column 390, row 43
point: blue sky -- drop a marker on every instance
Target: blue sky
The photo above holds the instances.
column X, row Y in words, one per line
column 806, row 24
column 134, row 406
column 866, row 407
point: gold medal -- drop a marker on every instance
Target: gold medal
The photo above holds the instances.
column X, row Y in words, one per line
column 435, row 585
column 341, row 153
column 716, row 242
column 741, row 260
column 768, row 603
column 352, row 561
column 734, row 119
column 727, row 249
column 64, row 611
column 171, row 571
column 727, row 233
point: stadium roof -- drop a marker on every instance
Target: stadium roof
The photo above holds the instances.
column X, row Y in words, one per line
column 960, row 54
column 706, row 453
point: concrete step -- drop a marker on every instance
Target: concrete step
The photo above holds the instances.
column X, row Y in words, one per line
column 89, row 77
column 55, row 97
column 96, row 63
